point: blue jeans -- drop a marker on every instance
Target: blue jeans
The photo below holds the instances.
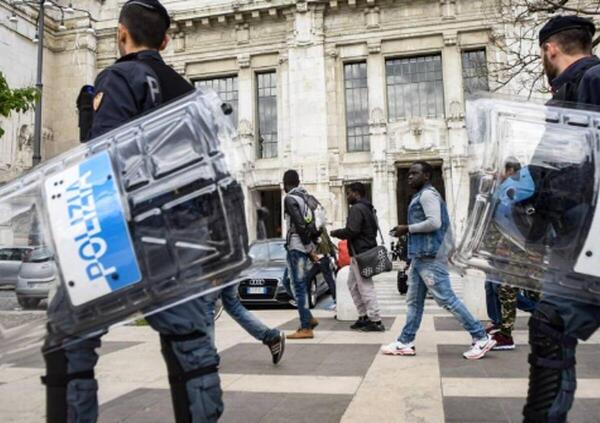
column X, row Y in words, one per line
column 431, row 274
column 239, row 313
column 287, row 284
column 298, row 265
column 323, row 266
column 525, row 303
column 492, row 301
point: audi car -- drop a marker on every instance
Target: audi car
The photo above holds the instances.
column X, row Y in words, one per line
column 262, row 283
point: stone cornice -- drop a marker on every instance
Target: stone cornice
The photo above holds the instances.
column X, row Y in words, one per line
column 244, row 11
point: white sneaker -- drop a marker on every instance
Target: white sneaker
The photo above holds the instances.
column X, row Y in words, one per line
column 398, row 348
column 480, row 348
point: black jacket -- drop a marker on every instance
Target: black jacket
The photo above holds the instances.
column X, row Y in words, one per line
column 361, row 228
column 135, row 84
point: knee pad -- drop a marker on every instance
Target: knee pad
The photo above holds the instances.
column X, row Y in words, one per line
column 552, row 356
column 56, row 380
column 202, row 402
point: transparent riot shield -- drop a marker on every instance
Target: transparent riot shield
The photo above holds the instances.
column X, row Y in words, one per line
column 142, row 218
column 534, row 221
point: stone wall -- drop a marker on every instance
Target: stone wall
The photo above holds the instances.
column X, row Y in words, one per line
column 307, row 43
column 69, row 63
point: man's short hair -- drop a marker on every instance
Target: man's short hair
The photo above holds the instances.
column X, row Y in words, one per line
column 426, row 167
column 291, row 178
column 573, row 41
column 358, row 188
column 512, row 163
column 146, row 26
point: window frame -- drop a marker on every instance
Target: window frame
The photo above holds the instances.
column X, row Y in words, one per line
column 256, row 74
column 347, row 127
column 415, row 55
column 235, row 114
column 474, row 49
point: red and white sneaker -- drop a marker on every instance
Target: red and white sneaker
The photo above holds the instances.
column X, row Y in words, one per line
column 491, row 328
column 398, row 348
column 480, row 348
column 503, row 342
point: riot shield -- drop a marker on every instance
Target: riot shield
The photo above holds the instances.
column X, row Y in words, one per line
column 534, row 222
column 142, row 218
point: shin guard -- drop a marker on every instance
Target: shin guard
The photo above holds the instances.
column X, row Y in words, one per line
column 178, row 376
column 56, row 380
column 552, row 368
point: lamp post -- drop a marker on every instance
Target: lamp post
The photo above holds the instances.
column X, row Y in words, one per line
column 43, row 6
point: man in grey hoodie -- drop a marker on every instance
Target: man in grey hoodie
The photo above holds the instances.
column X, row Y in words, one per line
column 300, row 247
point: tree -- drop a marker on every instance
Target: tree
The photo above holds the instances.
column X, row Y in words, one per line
column 515, row 36
column 17, row 100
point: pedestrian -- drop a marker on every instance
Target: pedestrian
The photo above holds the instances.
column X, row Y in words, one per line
column 139, row 82
column 503, row 293
column 272, row 338
column 361, row 232
column 301, row 249
column 557, row 323
column 326, row 255
column 428, row 248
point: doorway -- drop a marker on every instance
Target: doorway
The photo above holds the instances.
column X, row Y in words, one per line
column 268, row 222
column 404, row 193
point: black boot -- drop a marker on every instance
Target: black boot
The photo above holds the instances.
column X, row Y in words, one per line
column 362, row 320
column 372, row 326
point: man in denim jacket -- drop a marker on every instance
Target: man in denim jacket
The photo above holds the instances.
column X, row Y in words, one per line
column 429, row 243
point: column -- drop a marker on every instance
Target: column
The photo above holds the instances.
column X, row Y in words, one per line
column 246, row 140
column 378, row 137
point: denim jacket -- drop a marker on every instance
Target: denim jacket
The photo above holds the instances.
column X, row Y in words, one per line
column 428, row 244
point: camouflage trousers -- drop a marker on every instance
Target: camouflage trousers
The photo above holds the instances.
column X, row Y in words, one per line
column 508, row 305
column 507, row 295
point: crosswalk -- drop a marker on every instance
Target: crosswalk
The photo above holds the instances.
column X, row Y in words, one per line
column 393, row 304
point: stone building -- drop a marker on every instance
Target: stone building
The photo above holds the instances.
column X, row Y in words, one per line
column 341, row 90
column 69, row 62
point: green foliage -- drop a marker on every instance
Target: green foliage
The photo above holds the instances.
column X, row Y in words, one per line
column 19, row 100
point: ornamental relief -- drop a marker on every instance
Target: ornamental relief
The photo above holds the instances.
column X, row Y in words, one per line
column 417, row 134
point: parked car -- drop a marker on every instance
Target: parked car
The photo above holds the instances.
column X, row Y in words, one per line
column 37, row 274
column 10, row 263
column 262, row 283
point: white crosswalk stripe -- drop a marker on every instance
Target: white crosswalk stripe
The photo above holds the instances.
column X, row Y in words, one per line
column 392, row 303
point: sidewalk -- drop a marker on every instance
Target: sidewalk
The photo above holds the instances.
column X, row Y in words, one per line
column 338, row 376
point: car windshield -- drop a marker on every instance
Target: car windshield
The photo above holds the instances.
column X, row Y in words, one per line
column 39, row 255
column 267, row 251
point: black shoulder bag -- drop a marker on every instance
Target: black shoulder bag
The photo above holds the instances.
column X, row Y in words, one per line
column 374, row 261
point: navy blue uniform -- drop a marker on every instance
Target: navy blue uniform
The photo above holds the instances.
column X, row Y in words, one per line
column 135, row 84
column 558, row 323
column 125, row 90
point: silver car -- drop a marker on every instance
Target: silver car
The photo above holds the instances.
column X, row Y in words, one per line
column 10, row 263
column 37, row 274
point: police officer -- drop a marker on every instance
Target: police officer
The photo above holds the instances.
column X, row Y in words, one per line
column 557, row 323
column 138, row 82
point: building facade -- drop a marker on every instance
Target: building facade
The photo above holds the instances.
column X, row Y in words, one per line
column 69, row 63
column 341, row 90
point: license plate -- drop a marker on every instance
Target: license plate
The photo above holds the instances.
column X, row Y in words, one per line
column 93, row 244
column 257, row 290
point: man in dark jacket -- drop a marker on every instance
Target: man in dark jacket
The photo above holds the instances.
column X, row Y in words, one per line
column 300, row 247
column 557, row 323
column 361, row 233
column 138, row 82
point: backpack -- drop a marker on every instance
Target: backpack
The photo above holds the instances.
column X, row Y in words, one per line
column 313, row 212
